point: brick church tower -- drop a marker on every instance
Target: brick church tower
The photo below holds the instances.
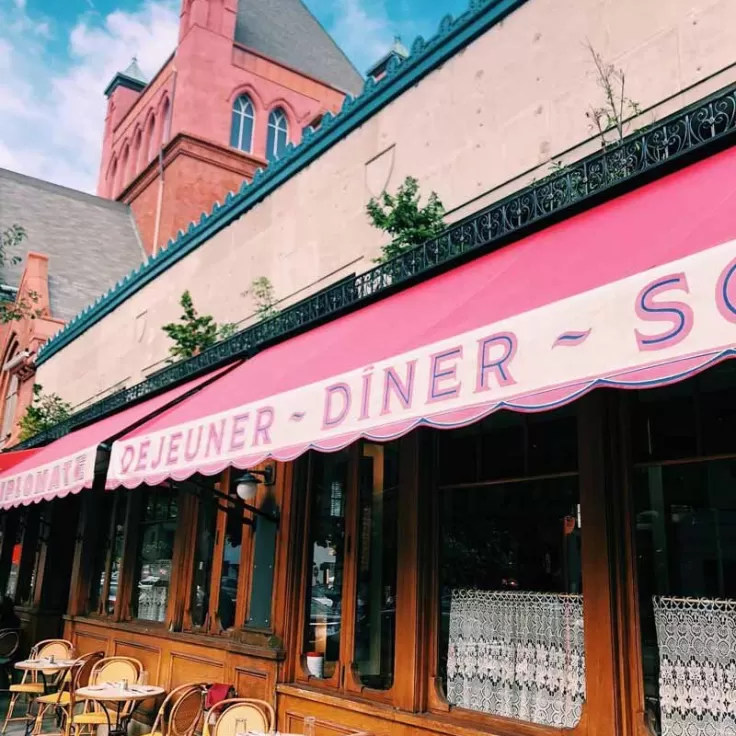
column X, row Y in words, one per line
column 246, row 77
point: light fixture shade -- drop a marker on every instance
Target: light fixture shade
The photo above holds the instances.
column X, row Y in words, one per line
column 246, row 487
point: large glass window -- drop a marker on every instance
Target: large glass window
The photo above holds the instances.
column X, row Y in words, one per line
column 330, row 474
column 375, row 617
column 278, row 134
column 352, row 557
column 203, row 556
column 156, row 530
column 103, row 528
column 684, row 489
column 511, row 608
column 11, row 586
column 230, row 571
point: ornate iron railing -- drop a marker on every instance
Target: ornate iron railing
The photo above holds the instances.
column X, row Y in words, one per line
column 644, row 152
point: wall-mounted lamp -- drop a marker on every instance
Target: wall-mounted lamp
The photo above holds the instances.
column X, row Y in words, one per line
column 246, row 485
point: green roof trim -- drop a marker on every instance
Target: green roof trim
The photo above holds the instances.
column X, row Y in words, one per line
column 453, row 35
column 123, row 80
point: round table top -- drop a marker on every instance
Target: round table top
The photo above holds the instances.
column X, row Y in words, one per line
column 113, row 691
column 46, row 665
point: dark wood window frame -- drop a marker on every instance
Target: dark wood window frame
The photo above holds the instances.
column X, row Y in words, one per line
column 345, row 678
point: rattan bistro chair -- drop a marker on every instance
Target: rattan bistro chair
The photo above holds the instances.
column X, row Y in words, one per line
column 65, row 700
column 33, row 681
column 258, row 715
column 9, row 643
column 181, row 711
column 109, row 669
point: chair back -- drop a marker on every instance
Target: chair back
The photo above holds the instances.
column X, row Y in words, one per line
column 80, row 675
column 163, row 717
column 115, row 669
column 187, row 712
column 57, row 648
column 9, row 643
column 257, row 714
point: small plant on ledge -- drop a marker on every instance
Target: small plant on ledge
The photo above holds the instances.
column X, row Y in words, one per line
column 264, row 298
column 401, row 216
column 45, row 411
column 611, row 118
column 194, row 332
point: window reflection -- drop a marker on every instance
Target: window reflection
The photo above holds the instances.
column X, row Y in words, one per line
column 155, row 550
column 376, row 565
column 511, row 606
column 115, row 563
column 203, row 556
column 230, row 576
column 11, row 586
column 103, row 524
column 326, row 559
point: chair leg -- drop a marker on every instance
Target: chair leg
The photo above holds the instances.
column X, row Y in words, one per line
column 11, row 709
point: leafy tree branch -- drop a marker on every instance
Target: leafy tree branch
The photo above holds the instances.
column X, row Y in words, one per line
column 45, row 411
column 194, row 332
column 402, row 217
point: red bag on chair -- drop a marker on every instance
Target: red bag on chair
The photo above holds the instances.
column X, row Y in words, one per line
column 217, row 692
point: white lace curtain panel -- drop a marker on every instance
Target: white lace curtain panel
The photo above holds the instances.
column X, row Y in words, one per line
column 518, row 655
column 697, row 665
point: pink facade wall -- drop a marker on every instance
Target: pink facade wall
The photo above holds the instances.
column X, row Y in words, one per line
column 200, row 84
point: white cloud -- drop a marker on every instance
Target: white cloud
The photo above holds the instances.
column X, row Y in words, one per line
column 364, row 29
column 52, row 109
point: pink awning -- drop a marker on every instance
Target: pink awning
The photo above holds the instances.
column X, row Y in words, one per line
column 68, row 464
column 636, row 292
column 10, row 458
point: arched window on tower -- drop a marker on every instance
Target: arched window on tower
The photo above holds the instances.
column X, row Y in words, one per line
column 10, row 398
column 166, row 122
column 151, row 139
column 123, row 171
column 244, row 118
column 137, row 152
column 111, row 181
column 278, row 134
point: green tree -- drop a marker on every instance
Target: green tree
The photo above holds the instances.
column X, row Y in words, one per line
column 402, row 217
column 45, row 411
column 194, row 332
column 264, row 298
column 10, row 311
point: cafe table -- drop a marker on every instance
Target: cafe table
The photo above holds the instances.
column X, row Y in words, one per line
column 118, row 695
column 45, row 666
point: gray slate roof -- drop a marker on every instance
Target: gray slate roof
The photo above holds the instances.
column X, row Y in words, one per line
column 91, row 242
column 286, row 31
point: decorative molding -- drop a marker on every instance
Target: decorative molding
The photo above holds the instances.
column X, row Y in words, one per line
column 649, row 153
column 452, row 36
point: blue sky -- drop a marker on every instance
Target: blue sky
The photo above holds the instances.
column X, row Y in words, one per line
column 56, row 57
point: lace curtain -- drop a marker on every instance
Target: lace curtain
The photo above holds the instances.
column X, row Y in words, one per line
column 519, row 655
column 697, row 665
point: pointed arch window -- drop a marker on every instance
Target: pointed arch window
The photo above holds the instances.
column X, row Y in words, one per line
column 244, row 118
column 278, row 134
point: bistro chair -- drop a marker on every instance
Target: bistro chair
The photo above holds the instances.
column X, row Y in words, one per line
column 258, row 715
column 32, row 684
column 108, row 669
column 65, row 700
column 181, row 711
column 9, row 643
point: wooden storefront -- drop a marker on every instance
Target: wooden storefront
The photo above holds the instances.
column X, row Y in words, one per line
column 373, row 539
